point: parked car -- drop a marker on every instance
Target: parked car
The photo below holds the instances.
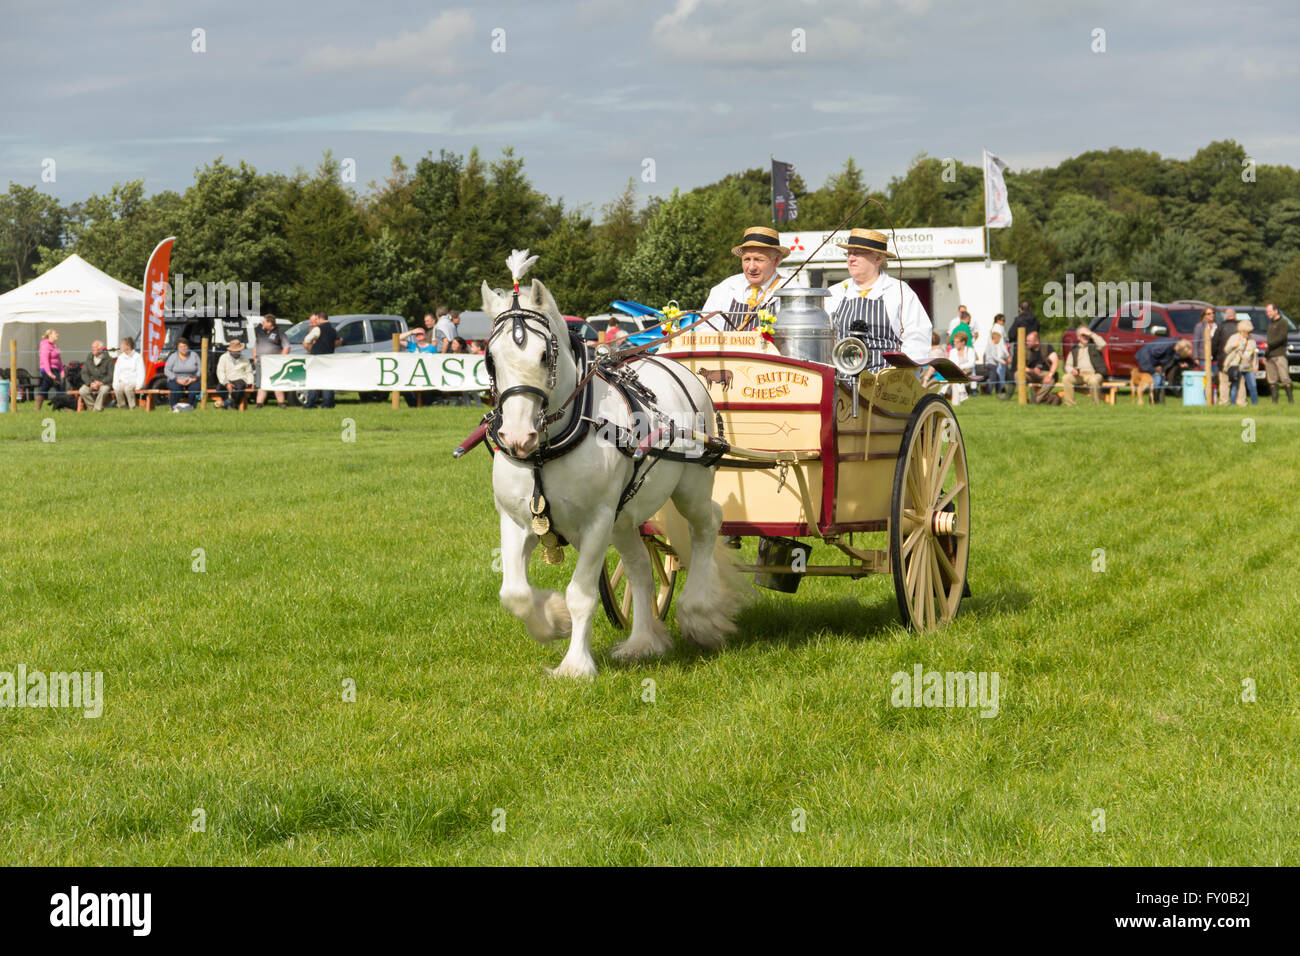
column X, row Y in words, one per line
column 1134, row 324
column 631, row 324
column 585, row 331
column 360, row 333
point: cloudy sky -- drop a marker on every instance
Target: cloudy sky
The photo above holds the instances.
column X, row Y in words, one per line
column 588, row 91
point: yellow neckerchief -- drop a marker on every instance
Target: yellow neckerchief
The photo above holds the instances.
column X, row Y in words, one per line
column 862, row 293
column 754, row 291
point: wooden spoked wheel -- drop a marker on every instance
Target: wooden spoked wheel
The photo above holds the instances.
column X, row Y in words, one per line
column 616, row 596
column 929, row 527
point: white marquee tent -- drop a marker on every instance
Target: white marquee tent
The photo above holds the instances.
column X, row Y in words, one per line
column 78, row 301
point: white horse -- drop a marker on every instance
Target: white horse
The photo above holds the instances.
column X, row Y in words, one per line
column 534, row 371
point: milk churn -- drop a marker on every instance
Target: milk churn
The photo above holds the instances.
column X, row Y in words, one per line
column 803, row 329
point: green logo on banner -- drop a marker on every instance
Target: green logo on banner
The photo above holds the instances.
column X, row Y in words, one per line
column 294, row 370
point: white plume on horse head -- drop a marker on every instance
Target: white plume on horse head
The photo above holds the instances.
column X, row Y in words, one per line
column 519, row 262
column 536, row 297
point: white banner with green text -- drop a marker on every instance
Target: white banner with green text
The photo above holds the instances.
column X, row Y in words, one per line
column 375, row 372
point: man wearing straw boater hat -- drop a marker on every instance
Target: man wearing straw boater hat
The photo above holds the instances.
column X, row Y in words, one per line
column 760, row 252
column 873, row 306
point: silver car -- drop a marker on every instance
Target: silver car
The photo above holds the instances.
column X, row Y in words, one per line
column 360, row 333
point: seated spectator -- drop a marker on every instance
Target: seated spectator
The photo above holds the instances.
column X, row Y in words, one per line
column 182, row 371
column 458, row 345
column 96, row 377
column 997, row 362
column 611, row 332
column 1164, row 360
column 936, row 351
column 1041, row 363
column 128, row 374
column 234, row 374
column 1085, row 365
column 417, row 340
column 475, row 346
column 963, row 356
column 52, row 371
column 1241, row 357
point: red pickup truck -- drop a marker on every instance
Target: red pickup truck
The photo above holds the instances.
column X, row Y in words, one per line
column 1134, row 324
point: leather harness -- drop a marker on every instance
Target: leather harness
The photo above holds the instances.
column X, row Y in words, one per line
column 616, row 371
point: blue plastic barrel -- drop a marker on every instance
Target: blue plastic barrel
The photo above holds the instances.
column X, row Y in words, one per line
column 1193, row 388
column 4, row 396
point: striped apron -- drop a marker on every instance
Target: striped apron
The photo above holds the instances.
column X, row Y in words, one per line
column 866, row 319
column 735, row 317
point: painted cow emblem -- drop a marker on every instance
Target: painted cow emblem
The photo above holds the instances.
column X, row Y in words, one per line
column 715, row 377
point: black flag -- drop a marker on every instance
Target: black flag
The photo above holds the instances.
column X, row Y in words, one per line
column 784, row 205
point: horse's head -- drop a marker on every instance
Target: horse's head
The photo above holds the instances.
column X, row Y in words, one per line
column 529, row 361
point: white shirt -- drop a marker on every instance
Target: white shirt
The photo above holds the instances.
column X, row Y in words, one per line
column 128, row 370
column 231, row 369
column 911, row 324
column 964, row 360
column 737, row 289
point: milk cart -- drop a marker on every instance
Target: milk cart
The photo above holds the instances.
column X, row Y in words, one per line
column 809, row 459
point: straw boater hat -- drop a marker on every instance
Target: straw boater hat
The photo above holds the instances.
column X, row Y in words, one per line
column 761, row 237
column 234, row 345
column 867, row 240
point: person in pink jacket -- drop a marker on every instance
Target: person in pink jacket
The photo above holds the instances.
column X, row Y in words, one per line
column 52, row 373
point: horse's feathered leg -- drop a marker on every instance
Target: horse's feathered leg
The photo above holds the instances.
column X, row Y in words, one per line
column 714, row 591
column 582, row 596
column 649, row 636
column 544, row 612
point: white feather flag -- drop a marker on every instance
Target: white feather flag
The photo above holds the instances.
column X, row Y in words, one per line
column 997, row 211
column 519, row 262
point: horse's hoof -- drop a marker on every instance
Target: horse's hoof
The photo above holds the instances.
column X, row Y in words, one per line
column 578, row 670
column 627, row 651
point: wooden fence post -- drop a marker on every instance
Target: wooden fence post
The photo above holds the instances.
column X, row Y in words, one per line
column 397, row 347
column 1021, row 391
column 203, row 373
column 1209, row 360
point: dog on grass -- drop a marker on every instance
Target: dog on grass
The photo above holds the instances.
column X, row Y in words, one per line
column 1138, row 383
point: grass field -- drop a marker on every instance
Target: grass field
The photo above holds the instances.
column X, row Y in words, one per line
column 371, row 561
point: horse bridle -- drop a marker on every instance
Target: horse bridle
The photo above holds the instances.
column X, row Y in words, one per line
column 521, row 322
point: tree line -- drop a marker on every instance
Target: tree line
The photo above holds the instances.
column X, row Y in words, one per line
column 1214, row 227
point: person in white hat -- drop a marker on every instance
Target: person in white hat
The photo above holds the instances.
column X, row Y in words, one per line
column 760, row 252
column 873, row 306
column 235, row 374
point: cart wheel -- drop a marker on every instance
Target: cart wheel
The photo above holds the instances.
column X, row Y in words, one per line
column 929, row 522
column 616, row 596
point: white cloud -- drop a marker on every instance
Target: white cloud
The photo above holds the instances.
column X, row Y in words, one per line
column 433, row 49
column 761, row 33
